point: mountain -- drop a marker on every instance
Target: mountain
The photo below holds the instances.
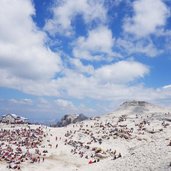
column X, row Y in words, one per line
column 142, row 109
column 69, row 119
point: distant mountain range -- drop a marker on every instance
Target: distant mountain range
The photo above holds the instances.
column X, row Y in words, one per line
column 132, row 109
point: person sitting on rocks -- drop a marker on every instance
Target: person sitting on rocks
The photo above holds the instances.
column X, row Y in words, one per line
column 169, row 143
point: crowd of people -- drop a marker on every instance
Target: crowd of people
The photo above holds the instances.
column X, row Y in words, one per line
column 98, row 132
column 18, row 145
column 87, row 140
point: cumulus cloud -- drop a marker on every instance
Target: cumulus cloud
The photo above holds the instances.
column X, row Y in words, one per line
column 104, row 80
column 148, row 16
column 78, row 66
column 25, row 60
column 121, row 72
column 131, row 47
column 64, row 103
column 98, row 41
column 90, row 70
column 66, row 106
column 65, row 12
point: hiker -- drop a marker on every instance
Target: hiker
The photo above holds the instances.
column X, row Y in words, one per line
column 90, row 162
column 169, row 143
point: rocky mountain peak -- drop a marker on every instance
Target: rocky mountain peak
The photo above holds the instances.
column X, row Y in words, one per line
column 135, row 103
column 141, row 109
column 71, row 118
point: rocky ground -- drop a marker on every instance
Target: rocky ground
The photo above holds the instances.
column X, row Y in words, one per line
column 119, row 141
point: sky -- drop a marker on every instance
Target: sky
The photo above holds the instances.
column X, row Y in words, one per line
column 83, row 56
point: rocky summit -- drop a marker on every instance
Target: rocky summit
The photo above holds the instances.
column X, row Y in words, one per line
column 141, row 109
column 70, row 119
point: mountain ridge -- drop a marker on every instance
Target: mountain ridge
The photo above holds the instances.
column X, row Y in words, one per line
column 137, row 108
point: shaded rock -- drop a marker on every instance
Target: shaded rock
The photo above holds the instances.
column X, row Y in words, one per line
column 70, row 119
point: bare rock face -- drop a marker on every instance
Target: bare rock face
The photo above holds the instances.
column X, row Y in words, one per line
column 136, row 103
column 136, row 106
column 70, row 119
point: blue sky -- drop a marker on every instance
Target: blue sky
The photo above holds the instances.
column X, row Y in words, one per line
column 84, row 56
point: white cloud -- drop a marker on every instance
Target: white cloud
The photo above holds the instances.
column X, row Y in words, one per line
column 99, row 40
column 104, row 80
column 64, row 103
column 145, row 47
column 167, row 86
column 65, row 12
column 121, row 72
column 66, row 106
column 28, row 65
column 165, row 92
column 149, row 15
column 25, row 61
column 21, row 101
column 80, row 67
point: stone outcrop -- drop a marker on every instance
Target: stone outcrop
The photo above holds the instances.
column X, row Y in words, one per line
column 70, row 119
